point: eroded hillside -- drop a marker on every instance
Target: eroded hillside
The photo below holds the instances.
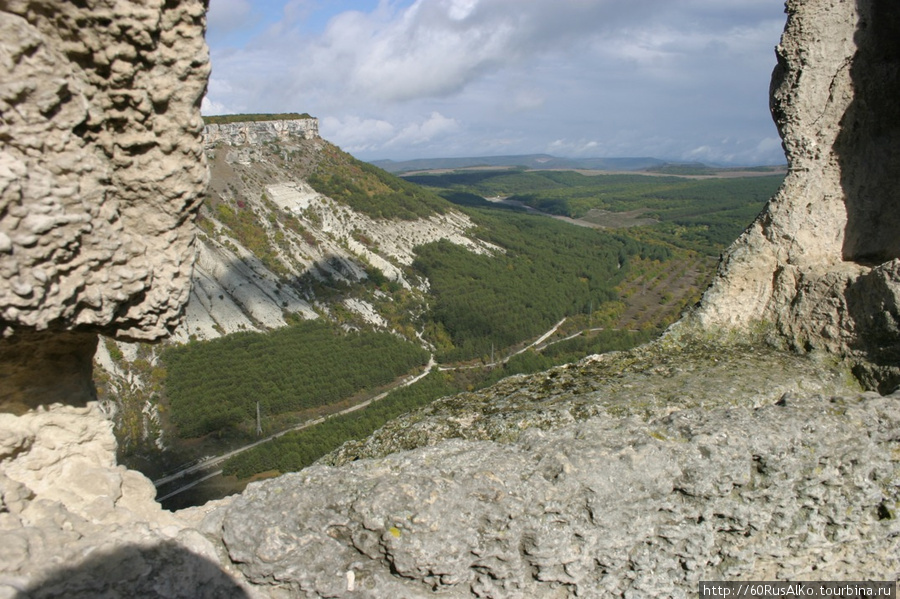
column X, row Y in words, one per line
column 291, row 222
column 274, row 250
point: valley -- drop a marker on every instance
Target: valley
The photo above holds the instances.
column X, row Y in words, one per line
column 313, row 259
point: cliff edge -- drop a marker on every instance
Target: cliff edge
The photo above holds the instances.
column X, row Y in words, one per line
column 259, row 132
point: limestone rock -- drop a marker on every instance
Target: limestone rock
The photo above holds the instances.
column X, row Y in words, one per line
column 260, row 167
column 608, row 507
column 806, row 264
column 101, row 163
column 76, row 525
column 259, row 132
column 101, row 166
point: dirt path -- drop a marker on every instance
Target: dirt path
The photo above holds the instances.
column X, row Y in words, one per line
column 212, row 462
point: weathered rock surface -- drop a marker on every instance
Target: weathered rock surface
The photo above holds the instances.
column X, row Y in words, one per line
column 827, row 244
column 101, row 165
column 675, row 373
column 74, row 524
column 801, row 490
column 259, row 132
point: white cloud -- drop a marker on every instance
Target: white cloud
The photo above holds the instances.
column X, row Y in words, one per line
column 645, row 77
column 228, row 15
column 437, row 125
column 356, row 134
column 209, row 107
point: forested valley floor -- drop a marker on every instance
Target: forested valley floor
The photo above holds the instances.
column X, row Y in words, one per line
column 625, row 255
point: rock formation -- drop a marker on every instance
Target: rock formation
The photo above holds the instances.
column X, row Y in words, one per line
column 605, row 508
column 100, row 170
column 259, row 132
column 638, row 474
column 820, row 263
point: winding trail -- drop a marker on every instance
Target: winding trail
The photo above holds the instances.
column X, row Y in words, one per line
column 208, row 464
column 215, row 461
column 539, row 340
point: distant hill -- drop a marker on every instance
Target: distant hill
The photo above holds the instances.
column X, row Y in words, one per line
column 530, row 161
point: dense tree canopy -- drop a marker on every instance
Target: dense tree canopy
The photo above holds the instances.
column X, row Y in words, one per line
column 214, row 385
column 548, row 270
column 702, row 214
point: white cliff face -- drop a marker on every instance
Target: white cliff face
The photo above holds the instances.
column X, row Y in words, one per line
column 259, row 132
column 233, row 290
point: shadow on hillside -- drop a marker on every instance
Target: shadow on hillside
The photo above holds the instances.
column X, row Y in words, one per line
column 133, row 571
column 250, row 288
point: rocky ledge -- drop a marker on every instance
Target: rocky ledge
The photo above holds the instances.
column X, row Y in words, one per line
column 259, row 132
column 803, row 489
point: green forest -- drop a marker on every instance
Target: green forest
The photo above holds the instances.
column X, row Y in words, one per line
column 224, row 119
column 299, row 449
column 370, row 190
column 700, row 214
column 213, row 387
column 548, row 270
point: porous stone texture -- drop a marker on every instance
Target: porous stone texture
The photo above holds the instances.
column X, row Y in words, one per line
column 101, row 164
column 259, row 132
column 611, row 507
column 827, row 243
column 74, row 524
column 101, row 167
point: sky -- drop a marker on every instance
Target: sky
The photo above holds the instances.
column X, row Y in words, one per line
column 680, row 80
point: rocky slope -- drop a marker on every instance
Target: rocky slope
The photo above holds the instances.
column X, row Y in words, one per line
column 259, row 195
column 709, row 454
